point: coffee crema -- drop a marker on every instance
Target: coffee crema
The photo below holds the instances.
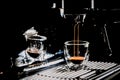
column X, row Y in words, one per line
column 76, row 59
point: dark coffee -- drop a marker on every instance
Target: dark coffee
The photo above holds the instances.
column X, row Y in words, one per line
column 33, row 53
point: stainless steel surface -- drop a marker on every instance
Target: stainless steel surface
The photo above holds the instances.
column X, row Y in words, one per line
column 99, row 65
column 93, row 70
column 43, row 65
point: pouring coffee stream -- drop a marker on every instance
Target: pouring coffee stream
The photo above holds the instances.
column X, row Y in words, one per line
column 76, row 58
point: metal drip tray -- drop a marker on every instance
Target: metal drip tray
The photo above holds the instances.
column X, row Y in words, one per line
column 94, row 70
column 99, row 65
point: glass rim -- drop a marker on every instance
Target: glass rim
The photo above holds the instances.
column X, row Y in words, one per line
column 39, row 38
column 72, row 42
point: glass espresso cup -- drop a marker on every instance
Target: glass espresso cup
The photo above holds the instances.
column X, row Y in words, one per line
column 35, row 45
column 75, row 52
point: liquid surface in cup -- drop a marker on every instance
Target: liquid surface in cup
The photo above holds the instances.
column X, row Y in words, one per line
column 76, row 59
column 33, row 52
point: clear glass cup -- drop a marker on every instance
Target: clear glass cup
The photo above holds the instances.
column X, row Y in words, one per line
column 36, row 46
column 75, row 53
